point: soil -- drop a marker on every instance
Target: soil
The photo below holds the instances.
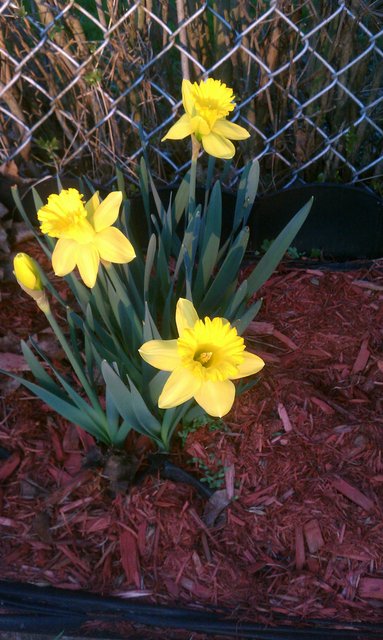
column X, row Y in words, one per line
column 296, row 469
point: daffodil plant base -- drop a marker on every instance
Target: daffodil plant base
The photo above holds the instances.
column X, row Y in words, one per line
column 301, row 454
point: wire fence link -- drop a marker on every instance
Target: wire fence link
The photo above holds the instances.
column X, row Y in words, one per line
column 85, row 86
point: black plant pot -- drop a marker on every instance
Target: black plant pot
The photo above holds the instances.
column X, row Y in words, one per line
column 344, row 223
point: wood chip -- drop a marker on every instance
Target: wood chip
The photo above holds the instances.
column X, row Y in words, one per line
column 313, row 535
column 362, row 357
column 353, row 494
column 284, row 418
column 371, row 588
column 365, row 284
column 129, row 557
column 285, row 339
column 300, row 557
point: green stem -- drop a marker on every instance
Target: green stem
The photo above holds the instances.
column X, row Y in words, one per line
column 196, row 146
column 171, row 419
column 75, row 364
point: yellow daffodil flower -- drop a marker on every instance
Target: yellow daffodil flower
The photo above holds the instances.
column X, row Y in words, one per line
column 203, row 361
column 85, row 233
column 27, row 275
column 206, row 105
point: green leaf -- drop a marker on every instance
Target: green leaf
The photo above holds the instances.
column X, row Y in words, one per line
column 46, row 246
column 189, row 240
column 150, row 255
column 112, row 415
column 38, row 370
column 275, row 253
column 249, row 315
column 236, row 301
column 121, row 182
column 210, row 240
column 150, row 331
column 63, row 408
column 171, row 418
column 227, row 274
column 144, row 189
column 156, row 385
column 182, row 198
column 247, row 191
column 36, row 199
column 130, row 404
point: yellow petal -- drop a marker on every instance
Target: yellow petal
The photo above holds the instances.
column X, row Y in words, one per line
column 113, row 246
column 216, row 398
column 161, row 354
column 186, row 315
column 107, row 213
column 88, row 260
column 179, row 387
column 26, row 272
column 181, row 129
column 250, row 365
column 200, row 126
column 187, row 97
column 230, row 130
column 218, row 146
column 64, row 256
column 92, row 205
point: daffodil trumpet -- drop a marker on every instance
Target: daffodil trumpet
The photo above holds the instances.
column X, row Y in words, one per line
column 207, row 356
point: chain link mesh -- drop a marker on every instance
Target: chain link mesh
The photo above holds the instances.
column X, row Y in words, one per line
column 85, row 86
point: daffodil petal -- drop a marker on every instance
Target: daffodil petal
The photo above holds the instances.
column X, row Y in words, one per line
column 88, row 260
column 64, row 256
column 92, row 205
column 107, row 212
column 250, row 365
column 199, row 126
column 230, row 130
column 187, row 96
column 218, row 146
column 180, row 387
column 161, row 354
column 113, row 246
column 186, row 315
column 216, row 398
column 181, row 129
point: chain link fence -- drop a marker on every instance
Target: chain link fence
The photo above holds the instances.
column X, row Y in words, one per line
column 88, row 85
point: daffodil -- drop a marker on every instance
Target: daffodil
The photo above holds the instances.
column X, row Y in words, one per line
column 85, row 233
column 203, row 361
column 207, row 105
column 27, row 274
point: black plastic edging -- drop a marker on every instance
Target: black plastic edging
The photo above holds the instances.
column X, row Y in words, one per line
column 53, row 610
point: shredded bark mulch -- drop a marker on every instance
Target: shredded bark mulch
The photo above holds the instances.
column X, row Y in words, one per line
column 294, row 527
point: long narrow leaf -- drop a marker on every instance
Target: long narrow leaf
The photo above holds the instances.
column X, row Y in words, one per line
column 130, row 404
column 224, row 278
column 247, row 191
column 62, row 407
column 209, row 241
column 249, row 315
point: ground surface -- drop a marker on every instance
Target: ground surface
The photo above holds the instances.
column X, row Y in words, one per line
column 299, row 458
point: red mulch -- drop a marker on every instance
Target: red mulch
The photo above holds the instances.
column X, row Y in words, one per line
column 302, row 453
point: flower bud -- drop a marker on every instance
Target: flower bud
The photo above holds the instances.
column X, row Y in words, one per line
column 27, row 275
column 26, row 272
